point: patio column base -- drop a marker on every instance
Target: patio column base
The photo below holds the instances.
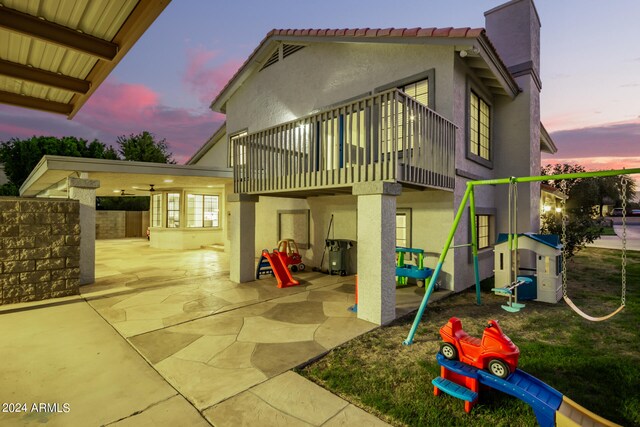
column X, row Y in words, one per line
column 376, row 251
column 84, row 190
column 242, row 235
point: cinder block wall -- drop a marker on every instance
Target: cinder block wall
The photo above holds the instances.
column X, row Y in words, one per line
column 39, row 249
column 110, row 224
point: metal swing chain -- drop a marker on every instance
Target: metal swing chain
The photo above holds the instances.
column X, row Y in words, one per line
column 563, row 188
column 624, row 241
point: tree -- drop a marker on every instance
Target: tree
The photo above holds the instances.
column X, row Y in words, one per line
column 20, row 156
column 586, row 197
column 143, row 147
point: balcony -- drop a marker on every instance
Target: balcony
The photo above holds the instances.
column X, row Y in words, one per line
column 384, row 137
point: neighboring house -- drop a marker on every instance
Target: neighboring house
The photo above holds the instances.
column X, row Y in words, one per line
column 376, row 132
column 551, row 199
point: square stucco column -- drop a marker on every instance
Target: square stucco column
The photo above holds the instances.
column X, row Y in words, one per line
column 84, row 190
column 242, row 226
column 376, row 250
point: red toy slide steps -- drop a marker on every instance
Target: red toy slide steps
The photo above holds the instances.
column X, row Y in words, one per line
column 280, row 270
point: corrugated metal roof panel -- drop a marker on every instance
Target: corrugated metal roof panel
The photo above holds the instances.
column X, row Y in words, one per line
column 100, row 19
column 120, row 22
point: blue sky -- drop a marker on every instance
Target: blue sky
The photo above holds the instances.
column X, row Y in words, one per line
column 590, row 64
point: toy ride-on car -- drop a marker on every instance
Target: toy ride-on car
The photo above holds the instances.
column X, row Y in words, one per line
column 289, row 250
column 495, row 352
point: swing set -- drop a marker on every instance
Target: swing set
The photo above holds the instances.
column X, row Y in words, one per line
column 469, row 198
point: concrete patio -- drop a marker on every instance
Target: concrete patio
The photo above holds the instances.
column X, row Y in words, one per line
column 216, row 351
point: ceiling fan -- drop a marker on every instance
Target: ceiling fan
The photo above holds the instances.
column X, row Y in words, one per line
column 123, row 193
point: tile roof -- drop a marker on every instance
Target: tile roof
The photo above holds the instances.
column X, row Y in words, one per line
column 381, row 32
column 349, row 33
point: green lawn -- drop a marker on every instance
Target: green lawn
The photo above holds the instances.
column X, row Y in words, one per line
column 596, row 364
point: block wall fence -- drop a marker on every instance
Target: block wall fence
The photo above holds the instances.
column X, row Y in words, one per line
column 39, row 249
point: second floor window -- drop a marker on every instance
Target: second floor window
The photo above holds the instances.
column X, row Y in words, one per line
column 241, row 150
column 479, row 127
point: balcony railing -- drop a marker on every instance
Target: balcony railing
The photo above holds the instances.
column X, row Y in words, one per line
column 385, row 137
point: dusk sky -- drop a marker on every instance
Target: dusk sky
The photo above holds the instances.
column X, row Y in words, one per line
column 590, row 70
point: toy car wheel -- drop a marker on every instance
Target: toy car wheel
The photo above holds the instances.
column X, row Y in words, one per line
column 343, row 272
column 498, row 368
column 420, row 283
column 448, row 351
column 301, row 267
column 294, row 268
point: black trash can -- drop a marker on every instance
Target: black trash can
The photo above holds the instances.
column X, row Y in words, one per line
column 338, row 255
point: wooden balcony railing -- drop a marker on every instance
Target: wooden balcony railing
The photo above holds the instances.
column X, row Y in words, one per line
column 385, row 137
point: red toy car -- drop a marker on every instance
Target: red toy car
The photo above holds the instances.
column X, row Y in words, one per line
column 288, row 250
column 495, row 352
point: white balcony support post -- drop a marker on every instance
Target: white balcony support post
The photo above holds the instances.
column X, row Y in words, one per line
column 376, row 250
column 242, row 226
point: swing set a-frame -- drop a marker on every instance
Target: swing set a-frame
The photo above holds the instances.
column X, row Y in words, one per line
column 512, row 237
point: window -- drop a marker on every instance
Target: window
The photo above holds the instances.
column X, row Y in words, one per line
column 479, row 127
column 242, row 149
column 156, row 210
column 202, row 211
column 403, row 228
column 483, row 231
column 418, row 91
column 173, row 210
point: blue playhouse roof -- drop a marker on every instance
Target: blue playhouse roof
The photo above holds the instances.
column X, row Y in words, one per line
column 552, row 240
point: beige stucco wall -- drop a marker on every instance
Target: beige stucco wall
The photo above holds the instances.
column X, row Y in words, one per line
column 190, row 238
column 323, row 74
column 217, row 154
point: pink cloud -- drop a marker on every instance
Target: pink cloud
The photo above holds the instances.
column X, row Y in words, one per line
column 205, row 79
column 118, row 109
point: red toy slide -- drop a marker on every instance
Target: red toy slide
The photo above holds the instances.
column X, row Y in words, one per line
column 278, row 264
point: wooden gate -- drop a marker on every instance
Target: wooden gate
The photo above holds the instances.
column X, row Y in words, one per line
column 133, row 224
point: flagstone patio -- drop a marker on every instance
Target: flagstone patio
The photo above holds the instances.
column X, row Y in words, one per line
column 220, row 343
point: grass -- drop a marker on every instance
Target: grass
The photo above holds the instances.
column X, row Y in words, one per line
column 607, row 231
column 596, row 364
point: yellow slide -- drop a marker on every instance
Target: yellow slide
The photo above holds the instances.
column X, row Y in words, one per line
column 570, row 414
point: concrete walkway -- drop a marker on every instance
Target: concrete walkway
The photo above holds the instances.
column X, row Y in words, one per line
column 214, row 351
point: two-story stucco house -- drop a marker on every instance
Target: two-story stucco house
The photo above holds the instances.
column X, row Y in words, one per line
column 371, row 135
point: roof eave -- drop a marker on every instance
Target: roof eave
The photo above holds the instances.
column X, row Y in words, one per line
column 546, row 142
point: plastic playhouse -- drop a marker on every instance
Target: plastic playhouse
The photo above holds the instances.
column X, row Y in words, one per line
column 404, row 271
column 467, row 362
column 540, row 273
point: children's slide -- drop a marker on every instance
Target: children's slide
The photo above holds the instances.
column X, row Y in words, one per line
column 549, row 405
column 280, row 270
